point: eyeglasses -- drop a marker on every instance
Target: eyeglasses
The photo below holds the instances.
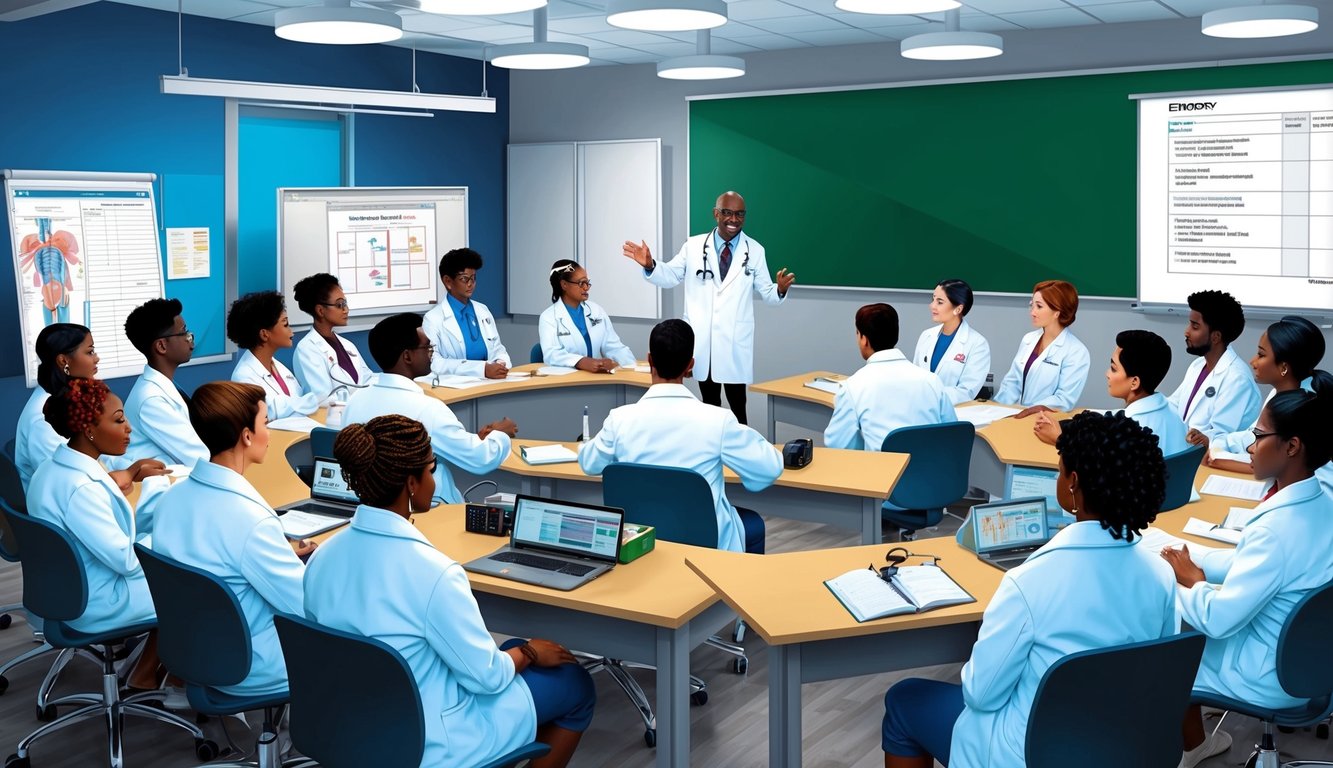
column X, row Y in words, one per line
column 584, row 284
column 340, row 304
column 727, row 213
column 431, row 347
column 466, row 279
column 189, row 336
column 1260, row 435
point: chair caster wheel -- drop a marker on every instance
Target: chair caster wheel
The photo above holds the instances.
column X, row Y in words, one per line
column 1285, row 729
column 15, row 761
column 650, row 737
column 4, row 684
column 46, row 714
column 699, row 698
column 205, row 750
column 1320, row 731
column 740, row 666
column 5, row 621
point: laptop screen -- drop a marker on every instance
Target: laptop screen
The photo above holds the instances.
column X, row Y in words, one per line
column 329, row 484
column 1033, row 481
column 577, row 529
column 1010, row 524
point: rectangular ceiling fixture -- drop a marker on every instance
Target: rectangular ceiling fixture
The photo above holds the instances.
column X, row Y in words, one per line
column 286, row 93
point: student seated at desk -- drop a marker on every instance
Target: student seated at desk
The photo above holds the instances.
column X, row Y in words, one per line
column 401, row 349
column 64, row 351
column 1240, row 598
column 381, row 578
column 1138, row 364
column 257, row 323
column 575, row 332
column 952, row 349
column 888, row 392
column 1051, row 365
column 324, row 361
column 669, row 427
column 156, row 406
column 1218, row 394
column 1092, row 586
column 467, row 342
column 215, row 520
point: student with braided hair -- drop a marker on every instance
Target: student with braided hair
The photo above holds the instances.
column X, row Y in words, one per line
column 381, row 578
column 1070, row 596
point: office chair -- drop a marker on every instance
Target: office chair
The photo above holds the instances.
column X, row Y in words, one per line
column 301, row 454
column 1181, row 469
column 55, row 587
column 679, row 504
column 1133, row 719
column 204, row 639
column 535, row 356
column 384, row 727
column 1303, row 672
column 935, row 477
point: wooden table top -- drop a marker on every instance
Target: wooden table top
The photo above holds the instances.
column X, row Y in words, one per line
column 794, row 387
column 626, row 376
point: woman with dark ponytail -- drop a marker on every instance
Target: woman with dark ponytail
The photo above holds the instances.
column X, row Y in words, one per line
column 383, row 579
column 575, row 332
column 1241, row 598
column 64, row 351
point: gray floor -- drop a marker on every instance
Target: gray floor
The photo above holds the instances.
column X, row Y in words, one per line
column 841, row 718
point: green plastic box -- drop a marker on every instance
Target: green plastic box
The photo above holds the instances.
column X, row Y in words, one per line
column 636, row 541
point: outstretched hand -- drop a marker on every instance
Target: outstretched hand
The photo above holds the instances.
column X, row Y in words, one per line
column 638, row 253
column 785, row 279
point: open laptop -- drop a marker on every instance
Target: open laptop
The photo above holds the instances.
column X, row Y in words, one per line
column 556, row 544
column 1007, row 532
column 329, row 494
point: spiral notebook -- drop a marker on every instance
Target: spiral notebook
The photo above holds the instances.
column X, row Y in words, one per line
column 913, row 589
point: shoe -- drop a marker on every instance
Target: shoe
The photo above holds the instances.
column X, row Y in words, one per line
column 1216, row 743
column 175, row 699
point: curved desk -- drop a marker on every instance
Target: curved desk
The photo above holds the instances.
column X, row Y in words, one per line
column 791, row 402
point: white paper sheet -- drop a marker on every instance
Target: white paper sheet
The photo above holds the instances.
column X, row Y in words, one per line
column 295, row 424
column 984, row 415
column 1236, row 488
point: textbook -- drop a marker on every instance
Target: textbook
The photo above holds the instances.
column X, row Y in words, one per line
column 913, row 589
column 547, row 454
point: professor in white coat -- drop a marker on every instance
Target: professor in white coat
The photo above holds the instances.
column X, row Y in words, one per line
column 717, row 298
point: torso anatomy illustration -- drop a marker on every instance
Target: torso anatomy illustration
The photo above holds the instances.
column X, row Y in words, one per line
column 51, row 255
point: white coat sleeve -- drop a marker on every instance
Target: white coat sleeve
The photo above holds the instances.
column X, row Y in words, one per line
column 844, row 428
column 597, row 453
column 1235, row 442
column 42, row 444
column 973, row 377
column 312, row 369
column 1001, row 652
column 440, row 365
column 151, row 492
column 615, row 349
column 92, row 521
column 669, row 274
column 455, row 629
column 1255, row 576
column 749, row 455
column 282, row 406
column 764, row 287
column 462, row 448
column 553, row 352
column 177, row 438
column 272, row 567
column 495, row 349
column 1011, row 386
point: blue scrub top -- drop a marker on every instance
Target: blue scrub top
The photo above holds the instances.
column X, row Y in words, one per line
column 941, row 346
column 580, row 322
column 473, row 343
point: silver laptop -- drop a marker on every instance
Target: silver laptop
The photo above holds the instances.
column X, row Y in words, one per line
column 1007, row 532
column 329, row 494
column 556, row 544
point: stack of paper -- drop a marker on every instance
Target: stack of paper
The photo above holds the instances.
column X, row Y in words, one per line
column 984, row 415
column 458, row 382
column 298, row 525
column 1155, row 539
column 295, row 424
column 554, row 370
column 1235, row 487
column 1206, row 530
column 547, row 454
column 824, row 385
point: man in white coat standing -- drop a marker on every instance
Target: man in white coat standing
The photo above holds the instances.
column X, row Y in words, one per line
column 720, row 269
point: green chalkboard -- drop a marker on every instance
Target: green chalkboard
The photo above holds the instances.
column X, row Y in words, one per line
column 1000, row 183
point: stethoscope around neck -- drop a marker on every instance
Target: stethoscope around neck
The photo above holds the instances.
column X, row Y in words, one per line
column 588, row 320
column 706, row 274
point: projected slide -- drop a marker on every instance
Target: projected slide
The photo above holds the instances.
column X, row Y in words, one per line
column 380, row 253
column 1236, row 193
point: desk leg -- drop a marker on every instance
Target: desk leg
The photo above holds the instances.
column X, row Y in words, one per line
column 772, row 419
column 871, row 530
column 784, row 706
column 673, row 697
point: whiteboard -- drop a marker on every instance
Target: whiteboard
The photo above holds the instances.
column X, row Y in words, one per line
column 382, row 243
column 86, row 251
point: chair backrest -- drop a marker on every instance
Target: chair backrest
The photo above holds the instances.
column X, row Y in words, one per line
column 937, row 474
column 1181, row 469
column 321, row 442
column 535, row 356
column 1115, row 707
column 11, row 492
column 55, row 586
column 11, row 447
column 381, row 725
column 1302, row 648
column 301, row 458
column 202, row 635
column 677, row 502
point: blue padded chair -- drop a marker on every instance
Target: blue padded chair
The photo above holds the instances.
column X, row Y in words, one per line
column 301, row 454
column 1180, row 471
column 679, row 504
column 535, row 356
column 55, row 587
column 1303, row 671
column 1114, row 707
column 935, row 477
column 383, row 726
column 204, row 639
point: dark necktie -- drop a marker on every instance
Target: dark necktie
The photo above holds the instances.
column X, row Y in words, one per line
column 724, row 260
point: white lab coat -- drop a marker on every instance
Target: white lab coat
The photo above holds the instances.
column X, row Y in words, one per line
column 316, row 366
column 1082, row 590
column 34, row 439
column 161, row 422
column 562, row 344
column 1285, row 551
column 450, row 358
column 721, row 312
column 1056, row 377
column 217, row 521
column 75, row 493
column 380, row 578
column 1157, row 414
column 965, row 363
column 392, row 393
column 1239, row 443
column 1227, row 400
column 669, row 427
column 887, row 393
column 249, row 370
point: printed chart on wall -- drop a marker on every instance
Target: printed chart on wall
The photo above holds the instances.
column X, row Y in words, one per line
column 86, row 251
column 1236, row 191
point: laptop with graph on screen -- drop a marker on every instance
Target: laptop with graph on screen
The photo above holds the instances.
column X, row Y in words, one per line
column 557, row 544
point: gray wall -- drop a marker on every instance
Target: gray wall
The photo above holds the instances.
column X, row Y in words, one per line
column 814, row 328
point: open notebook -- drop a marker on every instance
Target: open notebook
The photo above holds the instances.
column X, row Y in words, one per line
column 913, row 589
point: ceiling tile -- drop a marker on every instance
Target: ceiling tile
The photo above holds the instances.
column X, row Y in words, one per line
column 817, row 6
column 1142, row 10
column 496, row 33
column 774, row 42
column 798, row 24
column 434, row 22
column 1063, row 17
column 839, row 37
column 907, row 30
column 731, row 47
column 734, row 30
column 581, row 26
column 629, row 37
column 984, row 22
column 1199, row 7
column 668, row 50
column 747, row 10
column 1005, row 7
column 878, row 22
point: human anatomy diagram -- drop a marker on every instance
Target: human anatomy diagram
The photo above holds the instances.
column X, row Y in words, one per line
column 52, row 257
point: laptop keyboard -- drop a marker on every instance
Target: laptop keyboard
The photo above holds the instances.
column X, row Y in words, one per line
column 544, row 563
